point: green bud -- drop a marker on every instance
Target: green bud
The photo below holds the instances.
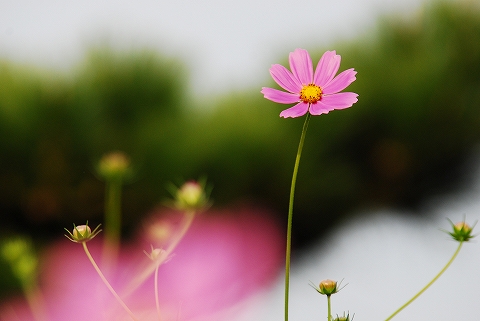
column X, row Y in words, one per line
column 14, row 249
column 114, row 166
column 328, row 287
column 191, row 196
column 22, row 259
column 462, row 232
column 82, row 233
column 157, row 255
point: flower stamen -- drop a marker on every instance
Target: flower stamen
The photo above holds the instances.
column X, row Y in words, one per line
column 310, row 94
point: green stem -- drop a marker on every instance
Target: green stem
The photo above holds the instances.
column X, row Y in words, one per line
column 329, row 309
column 290, row 214
column 107, row 284
column 428, row 285
column 113, row 220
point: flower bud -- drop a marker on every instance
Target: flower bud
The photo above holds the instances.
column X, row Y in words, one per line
column 14, row 249
column 114, row 166
column 19, row 253
column 191, row 196
column 328, row 287
column 461, row 231
column 82, row 233
column 157, row 255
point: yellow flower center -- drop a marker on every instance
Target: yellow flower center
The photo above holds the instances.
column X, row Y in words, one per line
column 310, row 94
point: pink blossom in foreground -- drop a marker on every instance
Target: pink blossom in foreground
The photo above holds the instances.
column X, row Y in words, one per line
column 224, row 257
column 314, row 92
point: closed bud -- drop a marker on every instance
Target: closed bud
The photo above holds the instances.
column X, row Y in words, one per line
column 462, row 232
column 19, row 253
column 328, row 287
column 190, row 196
column 114, row 166
column 82, row 233
column 158, row 255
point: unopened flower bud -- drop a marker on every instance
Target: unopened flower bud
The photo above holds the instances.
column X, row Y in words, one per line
column 82, row 233
column 20, row 255
column 81, row 230
column 461, row 231
column 328, row 287
column 191, row 196
column 14, row 249
column 157, row 255
column 114, row 166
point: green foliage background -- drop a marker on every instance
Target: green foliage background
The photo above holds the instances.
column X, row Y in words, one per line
column 416, row 123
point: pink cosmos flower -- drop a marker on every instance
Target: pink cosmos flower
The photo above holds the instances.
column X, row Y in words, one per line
column 314, row 92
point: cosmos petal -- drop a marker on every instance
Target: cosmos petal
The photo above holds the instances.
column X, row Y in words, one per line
column 327, row 68
column 339, row 83
column 301, row 66
column 285, row 79
column 279, row 96
column 298, row 110
column 335, row 101
column 320, row 108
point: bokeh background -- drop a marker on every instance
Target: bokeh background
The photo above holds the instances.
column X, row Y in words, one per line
column 176, row 86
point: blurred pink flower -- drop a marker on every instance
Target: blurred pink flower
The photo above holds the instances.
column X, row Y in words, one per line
column 224, row 257
column 317, row 93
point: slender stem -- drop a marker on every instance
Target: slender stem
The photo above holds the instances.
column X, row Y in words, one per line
column 113, row 219
column 107, row 284
column 157, row 303
column 428, row 285
column 187, row 222
column 290, row 214
column 329, row 308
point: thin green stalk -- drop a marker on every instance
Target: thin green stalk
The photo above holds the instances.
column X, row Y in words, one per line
column 107, row 284
column 428, row 285
column 290, row 214
column 329, row 309
column 113, row 220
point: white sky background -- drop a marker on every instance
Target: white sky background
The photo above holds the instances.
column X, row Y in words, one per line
column 225, row 44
